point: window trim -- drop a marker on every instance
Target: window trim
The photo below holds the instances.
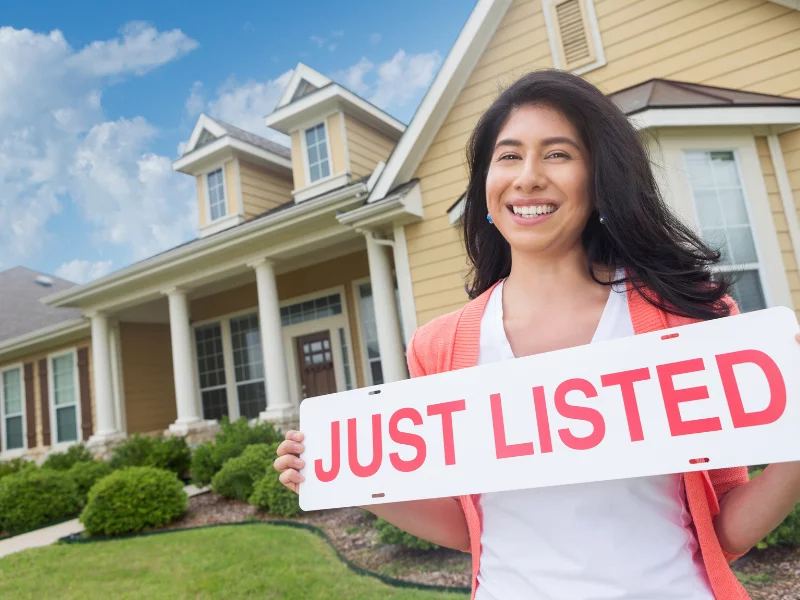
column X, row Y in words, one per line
column 218, row 167
column 304, row 146
column 4, row 451
column 356, row 283
column 51, row 392
column 592, row 33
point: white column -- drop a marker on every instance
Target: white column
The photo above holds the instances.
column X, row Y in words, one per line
column 116, row 378
column 402, row 270
column 182, row 364
column 103, row 385
column 390, row 341
column 279, row 404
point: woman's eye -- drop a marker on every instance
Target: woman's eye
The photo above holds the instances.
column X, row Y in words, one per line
column 558, row 155
column 505, row 156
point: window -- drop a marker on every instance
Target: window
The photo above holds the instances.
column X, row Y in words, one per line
column 348, row 379
column 248, row 365
column 318, row 308
column 65, row 397
column 574, row 35
column 211, row 368
column 13, row 427
column 369, row 329
column 724, row 222
column 216, row 195
column 317, row 148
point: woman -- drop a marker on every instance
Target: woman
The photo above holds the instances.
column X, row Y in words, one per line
column 571, row 243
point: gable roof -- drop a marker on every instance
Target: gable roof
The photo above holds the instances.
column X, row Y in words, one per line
column 303, row 81
column 218, row 129
column 21, row 311
column 795, row 4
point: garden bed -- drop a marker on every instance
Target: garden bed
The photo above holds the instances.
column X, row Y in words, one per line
column 771, row 574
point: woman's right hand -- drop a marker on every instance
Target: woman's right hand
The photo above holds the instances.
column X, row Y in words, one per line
column 289, row 462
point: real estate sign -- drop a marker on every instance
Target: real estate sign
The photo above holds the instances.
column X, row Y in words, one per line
column 717, row 394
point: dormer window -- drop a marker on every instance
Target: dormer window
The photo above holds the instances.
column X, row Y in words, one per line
column 216, row 195
column 319, row 165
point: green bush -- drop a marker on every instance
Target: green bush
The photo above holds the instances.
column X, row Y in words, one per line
column 170, row 453
column 229, row 443
column 270, row 495
column 132, row 500
column 15, row 465
column 34, row 497
column 238, row 475
column 389, row 534
column 86, row 474
column 63, row 461
column 785, row 534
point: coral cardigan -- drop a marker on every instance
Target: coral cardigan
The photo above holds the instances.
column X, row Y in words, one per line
column 452, row 342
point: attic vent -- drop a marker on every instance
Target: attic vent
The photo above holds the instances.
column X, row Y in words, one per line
column 303, row 89
column 44, row 281
column 572, row 27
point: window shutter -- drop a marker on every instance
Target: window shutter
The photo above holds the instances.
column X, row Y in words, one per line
column 575, row 43
column 30, row 406
column 86, row 399
column 44, row 401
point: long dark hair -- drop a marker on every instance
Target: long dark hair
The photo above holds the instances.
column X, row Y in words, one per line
column 664, row 260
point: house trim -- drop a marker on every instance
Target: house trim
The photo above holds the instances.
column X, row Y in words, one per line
column 204, row 123
column 44, row 337
column 190, row 162
column 716, row 116
column 321, row 186
column 16, row 452
column 398, row 209
column 301, row 72
column 785, row 191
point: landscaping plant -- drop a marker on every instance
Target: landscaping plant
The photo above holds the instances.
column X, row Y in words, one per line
column 86, row 474
column 170, row 453
column 63, row 461
column 271, row 496
column 389, row 534
column 34, row 497
column 239, row 475
column 15, row 465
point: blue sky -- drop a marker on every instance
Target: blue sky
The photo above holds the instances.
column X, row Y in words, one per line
column 96, row 97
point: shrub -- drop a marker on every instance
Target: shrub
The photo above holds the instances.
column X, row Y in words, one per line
column 35, row 497
column 86, row 474
column 270, row 495
column 238, row 475
column 63, row 461
column 9, row 467
column 132, row 500
column 233, row 438
column 170, row 453
column 785, row 534
column 389, row 534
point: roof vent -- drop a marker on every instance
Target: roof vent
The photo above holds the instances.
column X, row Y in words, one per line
column 44, row 281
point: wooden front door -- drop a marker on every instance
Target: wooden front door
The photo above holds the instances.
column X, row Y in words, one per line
column 316, row 364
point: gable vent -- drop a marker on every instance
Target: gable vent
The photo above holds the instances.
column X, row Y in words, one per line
column 574, row 35
column 572, row 27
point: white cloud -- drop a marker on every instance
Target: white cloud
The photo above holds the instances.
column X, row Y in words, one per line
column 392, row 84
column 375, row 38
column 50, row 103
column 332, row 47
column 81, row 271
column 196, row 100
column 244, row 104
column 318, row 40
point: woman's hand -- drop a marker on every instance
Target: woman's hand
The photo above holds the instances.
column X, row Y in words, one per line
column 289, row 462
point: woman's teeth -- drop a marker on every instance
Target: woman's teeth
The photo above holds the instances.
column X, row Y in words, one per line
column 534, row 211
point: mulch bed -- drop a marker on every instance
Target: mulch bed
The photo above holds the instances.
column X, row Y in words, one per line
column 772, row 574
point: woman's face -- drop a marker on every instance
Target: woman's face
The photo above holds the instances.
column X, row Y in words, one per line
column 537, row 188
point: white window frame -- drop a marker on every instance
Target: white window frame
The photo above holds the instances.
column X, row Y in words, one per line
column 4, row 451
column 230, row 365
column 304, row 146
column 51, row 392
column 206, row 174
column 227, row 359
column 667, row 147
column 554, row 35
column 362, row 341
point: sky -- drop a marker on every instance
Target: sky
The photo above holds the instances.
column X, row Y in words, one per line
column 98, row 98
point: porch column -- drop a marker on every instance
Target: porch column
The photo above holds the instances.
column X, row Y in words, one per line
column 390, row 340
column 182, row 364
column 103, row 387
column 279, row 404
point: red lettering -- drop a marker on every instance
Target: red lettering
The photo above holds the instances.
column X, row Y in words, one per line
column 377, row 448
column 777, row 388
column 407, row 439
column 502, row 449
column 336, row 451
column 446, row 409
column 625, row 381
column 580, row 413
column 673, row 397
column 542, row 420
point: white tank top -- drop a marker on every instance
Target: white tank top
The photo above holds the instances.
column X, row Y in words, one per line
column 628, row 539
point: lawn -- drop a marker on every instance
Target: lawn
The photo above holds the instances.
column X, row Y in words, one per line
column 249, row 561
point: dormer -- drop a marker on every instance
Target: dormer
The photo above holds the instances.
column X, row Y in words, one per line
column 239, row 175
column 337, row 136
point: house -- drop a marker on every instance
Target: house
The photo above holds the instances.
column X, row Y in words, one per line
column 314, row 264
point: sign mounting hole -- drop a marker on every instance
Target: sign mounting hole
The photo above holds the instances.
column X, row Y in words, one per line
column 378, row 495
column 670, row 336
column 697, row 461
column 373, row 392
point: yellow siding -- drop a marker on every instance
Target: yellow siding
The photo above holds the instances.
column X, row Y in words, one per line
column 337, row 150
column 779, row 218
column 35, row 358
column 149, row 383
column 231, row 188
column 790, row 146
column 297, row 162
column 744, row 44
column 262, row 190
column 366, row 146
column 202, row 209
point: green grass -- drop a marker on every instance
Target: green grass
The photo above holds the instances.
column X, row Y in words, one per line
column 757, row 579
column 249, row 561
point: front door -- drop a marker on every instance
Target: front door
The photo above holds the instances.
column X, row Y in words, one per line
column 316, row 364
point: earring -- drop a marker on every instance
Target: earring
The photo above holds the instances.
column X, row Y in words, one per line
column 489, row 218
column 602, row 219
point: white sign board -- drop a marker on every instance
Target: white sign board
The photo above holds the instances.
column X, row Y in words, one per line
column 716, row 394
